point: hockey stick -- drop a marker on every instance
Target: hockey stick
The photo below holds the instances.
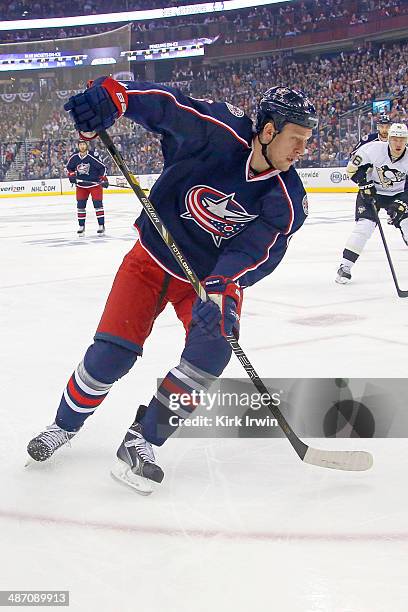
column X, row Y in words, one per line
column 339, row 460
column 401, row 293
column 91, row 184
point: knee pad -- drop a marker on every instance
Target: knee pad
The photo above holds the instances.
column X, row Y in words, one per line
column 207, row 354
column 365, row 228
column 403, row 226
column 81, row 204
column 107, row 362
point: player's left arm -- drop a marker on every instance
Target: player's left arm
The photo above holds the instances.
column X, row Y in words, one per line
column 100, row 170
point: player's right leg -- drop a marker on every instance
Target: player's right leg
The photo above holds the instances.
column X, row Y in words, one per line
column 202, row 361
column 135, row 300
column 363, row 230
column 82, row 198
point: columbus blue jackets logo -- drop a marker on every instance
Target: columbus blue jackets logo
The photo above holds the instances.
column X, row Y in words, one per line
column 215, row 212
column 83, row 168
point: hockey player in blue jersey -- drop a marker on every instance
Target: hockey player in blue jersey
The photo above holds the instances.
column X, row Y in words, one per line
column 88, row 173
column 232, row 200
column 383, row 125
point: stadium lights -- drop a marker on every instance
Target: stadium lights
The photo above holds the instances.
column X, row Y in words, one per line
column 180, row 11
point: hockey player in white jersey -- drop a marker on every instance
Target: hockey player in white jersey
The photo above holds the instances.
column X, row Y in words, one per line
column 380, row 170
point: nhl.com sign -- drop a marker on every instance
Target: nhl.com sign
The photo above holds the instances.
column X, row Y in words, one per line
column 43, row 187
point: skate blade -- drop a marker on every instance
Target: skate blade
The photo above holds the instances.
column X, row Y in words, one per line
column 123, row 474
column 343, row 281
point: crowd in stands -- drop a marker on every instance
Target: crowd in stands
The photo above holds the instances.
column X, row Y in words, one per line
column 17, row 119
column 338, row 84
column 257, row 23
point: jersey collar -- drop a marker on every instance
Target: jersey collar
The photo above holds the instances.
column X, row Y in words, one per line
column 262, row 176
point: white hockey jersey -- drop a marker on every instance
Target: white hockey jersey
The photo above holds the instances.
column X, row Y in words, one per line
column 389, row 177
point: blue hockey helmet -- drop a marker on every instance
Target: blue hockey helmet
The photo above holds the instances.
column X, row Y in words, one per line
column 383, row 119
column 283, row 105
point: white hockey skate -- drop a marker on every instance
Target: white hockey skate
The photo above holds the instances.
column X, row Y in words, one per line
column 43, row 446
column 343, row 275
column 101, row 230
column 136, row 466
column 81, row 230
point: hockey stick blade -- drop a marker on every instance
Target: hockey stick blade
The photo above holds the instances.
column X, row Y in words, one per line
column 341, row 460
column 352, row 461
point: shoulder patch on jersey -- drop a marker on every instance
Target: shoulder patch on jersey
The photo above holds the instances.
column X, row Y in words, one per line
column 305, row 204
column 238, row 112
column 365, row 137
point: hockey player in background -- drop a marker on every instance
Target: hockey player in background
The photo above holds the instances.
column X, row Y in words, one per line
column 383, row 124
column 232, row 200
column 380, row 169
column 88, row 173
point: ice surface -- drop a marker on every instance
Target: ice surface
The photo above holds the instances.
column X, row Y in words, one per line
column 237, row 524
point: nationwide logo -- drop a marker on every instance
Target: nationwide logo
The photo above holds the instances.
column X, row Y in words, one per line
column 215, row 212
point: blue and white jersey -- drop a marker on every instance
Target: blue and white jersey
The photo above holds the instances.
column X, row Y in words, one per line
column 87, row 167
column 225, row 219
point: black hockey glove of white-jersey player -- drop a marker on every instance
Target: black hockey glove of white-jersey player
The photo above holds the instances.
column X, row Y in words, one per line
column 367, row 190
column 396, row 211
column 220, row 314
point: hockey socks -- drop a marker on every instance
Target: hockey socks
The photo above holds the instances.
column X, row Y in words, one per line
column 100, row 213
column 103, row 364
column 175, row 399
column 357, row 240
column 81, row 213
column 81, row 397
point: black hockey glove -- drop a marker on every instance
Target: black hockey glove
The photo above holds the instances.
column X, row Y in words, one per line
column 367, row 190
column 396, row 211
column 104, row 182
column 72, row 177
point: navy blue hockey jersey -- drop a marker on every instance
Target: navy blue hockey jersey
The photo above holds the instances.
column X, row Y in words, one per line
column 88, row 167
column 367, row 138
column 225, row 220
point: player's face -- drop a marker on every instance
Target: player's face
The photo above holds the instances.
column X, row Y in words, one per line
column 288, row 146
column 83, row 147
column 383, row 130
column 397, row 145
